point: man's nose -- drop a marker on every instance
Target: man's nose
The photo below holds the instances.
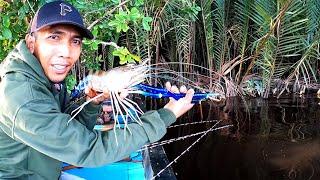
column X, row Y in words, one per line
column 65, row 49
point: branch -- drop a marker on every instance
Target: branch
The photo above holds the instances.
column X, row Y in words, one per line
column 107, row 13
column 110, row 44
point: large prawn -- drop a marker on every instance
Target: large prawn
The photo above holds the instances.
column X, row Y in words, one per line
column 131, row 78
column 114, row 81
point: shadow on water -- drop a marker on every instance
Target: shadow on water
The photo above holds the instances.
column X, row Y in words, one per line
column 270, row 139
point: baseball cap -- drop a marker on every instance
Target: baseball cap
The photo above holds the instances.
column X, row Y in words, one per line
column 59, row 12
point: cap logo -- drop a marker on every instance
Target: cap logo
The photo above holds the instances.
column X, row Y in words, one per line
column 64, row 9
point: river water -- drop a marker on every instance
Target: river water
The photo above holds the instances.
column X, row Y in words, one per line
column 269, row 139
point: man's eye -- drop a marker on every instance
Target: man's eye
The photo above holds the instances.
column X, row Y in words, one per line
column 77, row 41
column 55, row 37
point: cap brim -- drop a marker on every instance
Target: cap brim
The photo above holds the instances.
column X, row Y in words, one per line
column 82, row 30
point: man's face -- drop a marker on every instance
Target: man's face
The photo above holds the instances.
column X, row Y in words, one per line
column 57, row 47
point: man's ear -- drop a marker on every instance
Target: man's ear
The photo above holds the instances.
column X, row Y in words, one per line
column 30, row 41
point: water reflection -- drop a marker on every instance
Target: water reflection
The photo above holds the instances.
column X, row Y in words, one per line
column 277, row 139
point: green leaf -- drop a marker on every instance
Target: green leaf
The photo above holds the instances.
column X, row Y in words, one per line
column 113, row 23
column 125, row 56
column 131, row 60
column 145, row 23
column 21, row 13
column 134, row 14
column 119, row 28
column 6, row 33
column 197, row 8
column 6, row 21
column 139, row 2
column 122, row 16
column 118, row 52
column 95, row 31
column 120, row 22
column 99, row 58
column 135, row 57
column 123, row 27
column 70, row 82
column 126, row 51
column 122, row 62
column 95, row 45
column 26, row 9
column 122, row 57
column 86, row 42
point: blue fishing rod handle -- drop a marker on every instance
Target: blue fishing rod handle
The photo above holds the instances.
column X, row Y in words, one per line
column 152, row 89
column 156, row 92
column 195, row 99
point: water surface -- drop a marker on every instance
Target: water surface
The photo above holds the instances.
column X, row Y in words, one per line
column 277, row 139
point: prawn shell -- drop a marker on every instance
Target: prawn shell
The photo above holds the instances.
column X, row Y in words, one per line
column 117, row 79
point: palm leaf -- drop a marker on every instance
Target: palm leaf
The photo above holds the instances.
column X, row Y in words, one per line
column 207, row 23
column 242, row 20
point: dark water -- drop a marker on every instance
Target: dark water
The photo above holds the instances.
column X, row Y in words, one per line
column 277, row 139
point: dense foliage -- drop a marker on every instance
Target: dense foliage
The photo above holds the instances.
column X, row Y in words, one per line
column 260, row 46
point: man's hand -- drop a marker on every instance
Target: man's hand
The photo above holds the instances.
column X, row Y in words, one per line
column 91, row 93
column 181, row 106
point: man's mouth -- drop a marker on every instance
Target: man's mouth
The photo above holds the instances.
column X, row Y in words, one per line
column 59, row 68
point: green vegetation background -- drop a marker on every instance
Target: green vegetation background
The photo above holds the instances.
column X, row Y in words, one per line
column 258, row 46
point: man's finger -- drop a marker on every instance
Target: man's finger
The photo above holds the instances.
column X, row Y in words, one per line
column 183, row 89
column 189, row 95
column 106, row 94
column 174, row 89
column 87, row 89
column 168, row 86
column 90, row 92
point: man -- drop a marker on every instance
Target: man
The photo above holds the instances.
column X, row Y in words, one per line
column 34, row 135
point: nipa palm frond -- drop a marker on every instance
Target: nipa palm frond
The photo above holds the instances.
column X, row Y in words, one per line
column 207, row 23
column 220, row 33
